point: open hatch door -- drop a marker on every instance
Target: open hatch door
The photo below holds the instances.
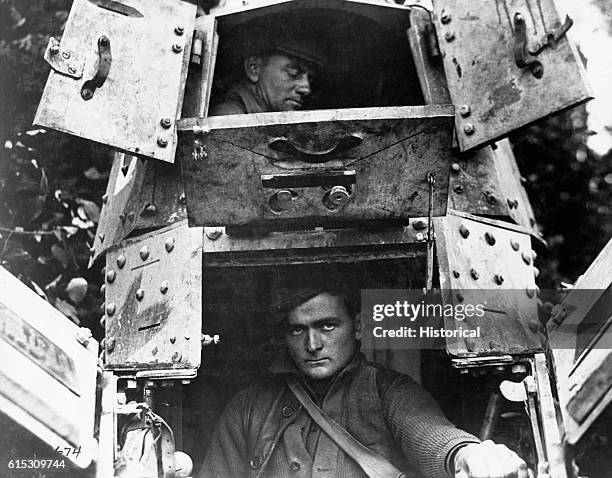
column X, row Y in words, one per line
column 118, row 75
column 508, row 63
column 47, row 372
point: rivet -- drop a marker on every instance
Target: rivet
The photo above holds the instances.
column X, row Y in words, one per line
column 420, row 224
column 65, row 55
column 54, row 50
column 456, row 274
column 150, row 210
column 154, row 350
column 71, row 70
column 459, row 296
column 499, row 279
column 420, row 237
column 105, row 199
column 449, row 36
column 121, row 261
column 464, row 110
column 166, row 123
column 458, row 188
column 131, row 216
column 182, row 198
column 176, row 48
column 176, row 357
column 162, row 142
column 464, row 231
column 526, row 258
column 144, row 253
column 163, row 288
column 468, row 128
column 139, row 294
column 103, row 320
column 103, row 40
column 214, row 234
column 87, row 94
column 515, row 245
column 172, row 339
column 455, row 168
column 110, row 345
column 102, row 288
column 489, row 238
column 474, row 274
column 110, row 309
column 110, row 276
column 179, row 29
column 169, row 244
column 101, row 236
column 445, row 17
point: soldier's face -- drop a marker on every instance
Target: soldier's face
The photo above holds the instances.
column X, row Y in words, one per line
column 321, row 336
column 282, row 83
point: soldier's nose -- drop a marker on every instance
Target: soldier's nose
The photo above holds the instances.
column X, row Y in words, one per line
column 313, row 342
column 303, row 87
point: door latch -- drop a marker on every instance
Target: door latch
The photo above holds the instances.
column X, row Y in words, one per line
column 104, row 64
column 552, row 38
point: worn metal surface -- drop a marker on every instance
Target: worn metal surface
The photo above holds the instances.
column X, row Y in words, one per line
column 275, row 168
column 47, row 377
column 477, row 43
column 314, row 246
column 481, row 263
column 582, row 368
column 140, row 195
column 153, row 301
column 145, row 80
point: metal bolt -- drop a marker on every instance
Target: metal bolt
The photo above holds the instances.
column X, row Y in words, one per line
column 66, row 54
column 150, row 210
column 110, row 276
column 131, row 216
column 455, row 168
column 459, row 297
column 154, row 350
column 489, row 238
column 144, row 253
column 102, row 288
column 458, row 188
column 456, row 274
column 172, row 339
column 103, row 40
column 110, row 345
column 474, row 274
column 86, row 93
column 121, row 261
column 182, row 198
column 163, row 288
column 162, row 142
column 176, row 357
column 499, row 279
column 449, row 36
column 110, row 309
column 176, row 48
column 491, row 199
column 54, row 50
column 537, row 70
column 166, row 123
column 179, row 30
column 515, row 245
column 214, row 234
column 105, row 199
column 139, row 294
column 468, row 128
column 464, row 231
column 465, row 111
column 526, row 258
column 169, row 245
column 420, row 237
column 71, row 70
column 445, row 17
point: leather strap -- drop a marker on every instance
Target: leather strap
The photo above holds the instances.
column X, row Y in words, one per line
column 373, row 465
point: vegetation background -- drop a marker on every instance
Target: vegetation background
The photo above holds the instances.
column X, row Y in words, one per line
column 51, row 184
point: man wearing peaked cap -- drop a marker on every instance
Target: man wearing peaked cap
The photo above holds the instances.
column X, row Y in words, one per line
column 280, row 61
column 267, row 431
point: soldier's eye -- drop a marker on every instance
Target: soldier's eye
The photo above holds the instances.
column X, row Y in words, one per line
column 294, row 330
column 328, row 326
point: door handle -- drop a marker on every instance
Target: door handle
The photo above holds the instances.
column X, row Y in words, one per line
column 104, row 63
column 284, row 145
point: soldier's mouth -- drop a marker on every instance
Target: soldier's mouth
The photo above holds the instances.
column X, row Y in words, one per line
column 317, row 361
column 295, row 103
